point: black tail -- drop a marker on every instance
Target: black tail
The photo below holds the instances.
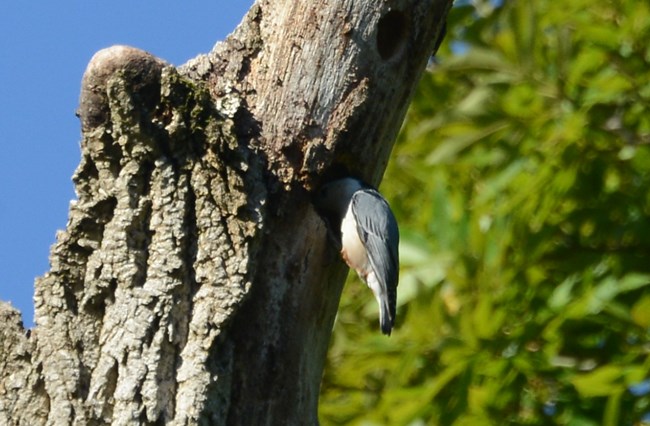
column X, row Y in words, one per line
column 386, row 320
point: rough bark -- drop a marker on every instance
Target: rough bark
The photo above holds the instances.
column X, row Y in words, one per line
column 194, row 282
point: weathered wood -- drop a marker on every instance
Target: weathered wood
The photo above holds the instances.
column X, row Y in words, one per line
column 194, row 282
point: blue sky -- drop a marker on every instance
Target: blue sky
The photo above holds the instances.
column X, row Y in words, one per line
column 44, row 49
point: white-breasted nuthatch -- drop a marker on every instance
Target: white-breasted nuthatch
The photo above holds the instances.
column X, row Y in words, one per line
column 362, row 222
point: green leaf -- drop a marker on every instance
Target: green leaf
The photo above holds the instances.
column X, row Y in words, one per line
column 608, row 86
column 561, row 296
column 633, row 281
column 460, row 138
column 603, row 381
column 641, row 312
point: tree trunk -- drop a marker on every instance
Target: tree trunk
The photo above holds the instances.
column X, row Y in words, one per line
column 194, row 282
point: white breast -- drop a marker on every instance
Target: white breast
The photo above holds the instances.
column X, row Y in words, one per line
column 353, row 251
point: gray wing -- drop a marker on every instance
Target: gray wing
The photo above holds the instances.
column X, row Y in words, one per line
column 378, row 231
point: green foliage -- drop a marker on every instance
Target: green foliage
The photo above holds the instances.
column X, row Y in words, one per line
column 521, row 183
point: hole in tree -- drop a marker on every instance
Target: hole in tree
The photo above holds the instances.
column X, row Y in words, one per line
column 391, row 34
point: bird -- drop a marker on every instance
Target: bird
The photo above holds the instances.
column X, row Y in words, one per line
column 364, row 227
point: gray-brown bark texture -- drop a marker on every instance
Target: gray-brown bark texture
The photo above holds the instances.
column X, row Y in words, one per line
column 194, row 283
